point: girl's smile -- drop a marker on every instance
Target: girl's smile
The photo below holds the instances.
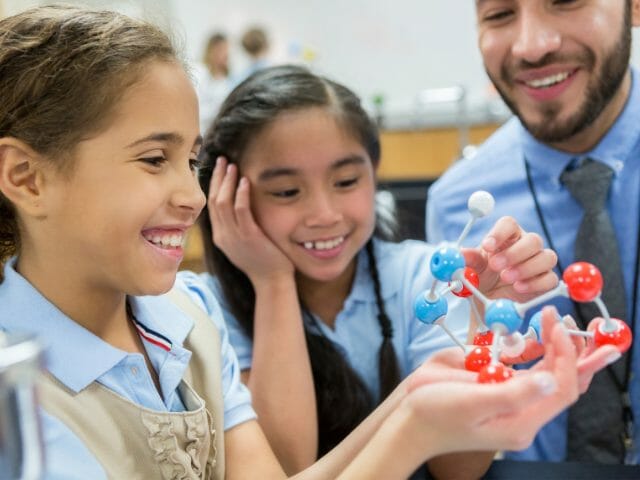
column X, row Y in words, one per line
column 312, row 191
column 325, row 249
column 167, row 241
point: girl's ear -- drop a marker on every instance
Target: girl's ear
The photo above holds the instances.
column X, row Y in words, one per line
column 21, row 176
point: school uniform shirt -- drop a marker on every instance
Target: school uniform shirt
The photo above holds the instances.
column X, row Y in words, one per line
column 77, row 358
column 500, row 168
column 404, row 274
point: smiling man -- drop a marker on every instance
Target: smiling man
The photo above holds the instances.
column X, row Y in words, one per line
column 563, row 69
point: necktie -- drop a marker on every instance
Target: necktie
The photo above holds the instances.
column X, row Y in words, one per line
column 596, row 425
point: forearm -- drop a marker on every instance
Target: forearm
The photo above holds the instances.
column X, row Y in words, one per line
column 281, row 380
column 395, row 451
column 461, row 466
column 334, row 462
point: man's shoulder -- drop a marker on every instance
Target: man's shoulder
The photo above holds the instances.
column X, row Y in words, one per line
column 488, row 167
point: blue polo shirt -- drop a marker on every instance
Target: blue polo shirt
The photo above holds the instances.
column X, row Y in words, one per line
column 499, row 167
column 76, row 357
column 404, row 273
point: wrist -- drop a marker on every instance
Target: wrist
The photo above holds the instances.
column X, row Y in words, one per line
column 274, row 283
column 405, row 442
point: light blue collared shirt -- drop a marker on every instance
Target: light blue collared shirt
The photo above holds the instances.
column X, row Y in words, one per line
column 77, row 358
column 499, row 167
column 404, row 273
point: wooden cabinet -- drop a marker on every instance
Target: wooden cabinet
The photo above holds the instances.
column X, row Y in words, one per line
column 424, row 154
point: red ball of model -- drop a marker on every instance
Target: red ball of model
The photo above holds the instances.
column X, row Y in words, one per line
column 584, row 281
column 494, row 373
column 483, row 338
column 477, row 358
column 620, row 338
column 472, row 276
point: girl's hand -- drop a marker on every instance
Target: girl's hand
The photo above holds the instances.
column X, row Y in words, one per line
column 235, row 231
column 459, row 415
column 444, row 365
column 511, row 263
column 590, row 359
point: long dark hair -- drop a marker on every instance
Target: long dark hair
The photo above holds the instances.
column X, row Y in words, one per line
column 342, row 398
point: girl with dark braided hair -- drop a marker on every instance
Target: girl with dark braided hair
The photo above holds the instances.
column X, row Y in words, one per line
column 318, row 303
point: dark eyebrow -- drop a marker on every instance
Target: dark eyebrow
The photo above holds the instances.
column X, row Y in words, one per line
column 350, row 160
column 272, row 173
column 168, row 137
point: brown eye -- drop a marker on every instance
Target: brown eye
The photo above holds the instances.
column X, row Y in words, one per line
column 292, row 192
column 346, row 183
column 154, row 161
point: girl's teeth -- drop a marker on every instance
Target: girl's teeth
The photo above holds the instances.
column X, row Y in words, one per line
column 166, row 241
column 323, row 245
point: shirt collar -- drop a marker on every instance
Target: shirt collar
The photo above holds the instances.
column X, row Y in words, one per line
column 614, row 148
column 67, row 343
column 161, row 315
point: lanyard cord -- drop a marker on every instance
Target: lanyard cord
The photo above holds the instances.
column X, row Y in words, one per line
column 623, row 386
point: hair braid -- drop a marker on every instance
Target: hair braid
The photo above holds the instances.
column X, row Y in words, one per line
column 388, row 368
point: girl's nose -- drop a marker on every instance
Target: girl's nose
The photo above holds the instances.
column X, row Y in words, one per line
column 188, row 195
column 322, row 211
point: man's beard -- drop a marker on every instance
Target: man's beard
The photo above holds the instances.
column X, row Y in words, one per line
column 600, row 90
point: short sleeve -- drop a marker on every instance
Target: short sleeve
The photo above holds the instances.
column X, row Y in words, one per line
column 412, row 268
column 236, row 396
column 239, row 340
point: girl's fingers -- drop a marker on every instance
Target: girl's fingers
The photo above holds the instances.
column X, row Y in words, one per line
column 528, row 246
column 532, row 350
column 224, row 201
column 427, row 376
column 504, row 233
column 589, row 365
column 527, row 263
column 216, row 178
column 578, row 341
column 541, row 283
column 242, row 206
column 516, row 394
column 475, row 258
column 550, row 319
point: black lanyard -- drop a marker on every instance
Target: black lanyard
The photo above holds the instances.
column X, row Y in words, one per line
column 623, row 385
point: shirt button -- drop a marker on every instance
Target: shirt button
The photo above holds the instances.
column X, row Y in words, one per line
column 618, row 165
column 134, row 371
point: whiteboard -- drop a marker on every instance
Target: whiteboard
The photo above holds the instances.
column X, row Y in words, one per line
column 391, row 47
column 394, row 48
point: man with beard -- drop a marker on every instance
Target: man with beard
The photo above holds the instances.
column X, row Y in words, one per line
column 563, row 69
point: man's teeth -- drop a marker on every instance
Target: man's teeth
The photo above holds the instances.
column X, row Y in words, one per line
column 324, row 245
column 548, row 81
column 166, row 241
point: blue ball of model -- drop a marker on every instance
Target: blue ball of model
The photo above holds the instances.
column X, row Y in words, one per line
column 445, row 261
column 502, row 313
column 429, row 311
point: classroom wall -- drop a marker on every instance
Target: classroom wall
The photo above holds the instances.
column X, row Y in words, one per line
column 391, row 47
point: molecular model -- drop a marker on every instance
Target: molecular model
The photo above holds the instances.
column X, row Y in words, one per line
column 498, row 331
